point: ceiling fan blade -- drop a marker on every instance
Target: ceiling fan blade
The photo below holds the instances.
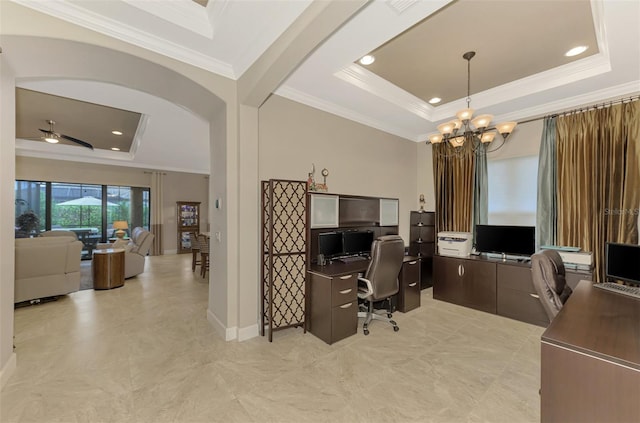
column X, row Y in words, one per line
column 77, row 141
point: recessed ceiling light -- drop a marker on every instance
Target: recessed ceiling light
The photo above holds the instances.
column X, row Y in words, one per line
column 576, row 50
column 116, row 132
column 115, row 148
column 435, row 100
column 367, row 60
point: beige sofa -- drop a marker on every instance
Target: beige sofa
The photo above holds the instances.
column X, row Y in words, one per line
column 136, row 249
column 46, row 267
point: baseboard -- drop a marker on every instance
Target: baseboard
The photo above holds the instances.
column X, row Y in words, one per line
column 234, row 333
column 7, row 370
column 248, row 332
column 229, row 334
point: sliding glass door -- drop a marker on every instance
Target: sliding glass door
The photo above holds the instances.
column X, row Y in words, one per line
column 91, row 211
column 78, row 208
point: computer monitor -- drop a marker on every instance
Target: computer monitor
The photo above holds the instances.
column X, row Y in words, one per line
column 330, row 244
column 357, row 242
column 517, row 240
column 622, row 262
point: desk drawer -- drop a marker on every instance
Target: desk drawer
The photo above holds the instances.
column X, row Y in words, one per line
column 521, row 306
column 409, row 294
column 344, row 320
column 344, row 289
column 515, row 277
column 410, row 272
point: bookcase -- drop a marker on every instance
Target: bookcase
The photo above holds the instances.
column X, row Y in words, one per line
column 188, row 220
column 422, row 244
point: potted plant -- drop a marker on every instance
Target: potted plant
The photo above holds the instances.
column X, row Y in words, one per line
column 28, row 222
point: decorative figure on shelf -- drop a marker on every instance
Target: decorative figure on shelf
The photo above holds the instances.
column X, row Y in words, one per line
column 311, row 181
column 422, row 202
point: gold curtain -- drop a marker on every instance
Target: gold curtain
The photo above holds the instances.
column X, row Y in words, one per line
column 599, row 179
column 453, row 179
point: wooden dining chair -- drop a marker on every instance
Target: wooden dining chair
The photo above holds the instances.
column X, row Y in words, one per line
column 195, row 250
column 203, row 240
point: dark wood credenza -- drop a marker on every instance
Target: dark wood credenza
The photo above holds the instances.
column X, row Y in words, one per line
column 494, row 286
column 590, row 359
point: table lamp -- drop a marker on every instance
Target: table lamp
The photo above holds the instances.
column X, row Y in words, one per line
column 120, row 226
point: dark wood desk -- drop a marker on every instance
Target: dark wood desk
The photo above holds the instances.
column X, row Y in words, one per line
column 590, row 362
column 332, row 302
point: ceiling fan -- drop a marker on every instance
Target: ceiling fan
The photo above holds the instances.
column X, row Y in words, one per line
column 53, row 137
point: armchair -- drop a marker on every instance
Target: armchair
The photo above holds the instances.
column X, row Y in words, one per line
column 136, row 249
column 380, row 282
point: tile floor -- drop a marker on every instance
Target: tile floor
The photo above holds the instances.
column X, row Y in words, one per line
column 146, row 353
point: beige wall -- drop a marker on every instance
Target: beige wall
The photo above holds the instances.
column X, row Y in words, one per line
column 177, row 186
column 524, row 141
column 361, row 160
column 7, row 218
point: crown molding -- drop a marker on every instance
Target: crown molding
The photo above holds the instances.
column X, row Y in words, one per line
column 137, row 137
column 374, row 84
column 590, row 98
column 329, row 107
column 186, row 14
column 80, row 16
column 27, row 148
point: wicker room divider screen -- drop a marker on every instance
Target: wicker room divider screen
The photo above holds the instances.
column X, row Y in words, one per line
column 284, row 254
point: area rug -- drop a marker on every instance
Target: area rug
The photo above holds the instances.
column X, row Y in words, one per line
column 86, row 278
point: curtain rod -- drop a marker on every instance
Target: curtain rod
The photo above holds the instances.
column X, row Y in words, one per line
column 586, row 108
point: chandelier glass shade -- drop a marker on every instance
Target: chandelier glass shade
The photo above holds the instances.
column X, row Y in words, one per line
column 468, row 131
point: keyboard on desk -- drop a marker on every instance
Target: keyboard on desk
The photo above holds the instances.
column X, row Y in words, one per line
column 632, row 291
column 352, row 259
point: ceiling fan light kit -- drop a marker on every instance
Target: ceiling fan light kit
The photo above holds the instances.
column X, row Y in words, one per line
column 53, row 137
column 467, row 130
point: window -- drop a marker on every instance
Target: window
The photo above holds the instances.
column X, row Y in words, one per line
column 30, row 198
column 86, row 209
column 513, row 191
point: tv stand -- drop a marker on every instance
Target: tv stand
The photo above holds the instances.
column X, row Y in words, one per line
column 493, row 285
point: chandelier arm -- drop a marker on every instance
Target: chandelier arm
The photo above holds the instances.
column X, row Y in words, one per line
column 504, row 140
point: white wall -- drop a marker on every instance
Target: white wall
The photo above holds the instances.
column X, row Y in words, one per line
column 177, row 186
column 361, row 160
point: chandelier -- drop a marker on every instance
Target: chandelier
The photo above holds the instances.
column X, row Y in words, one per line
column 467, row 131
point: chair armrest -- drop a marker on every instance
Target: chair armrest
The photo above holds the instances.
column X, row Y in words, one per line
column 366, row 284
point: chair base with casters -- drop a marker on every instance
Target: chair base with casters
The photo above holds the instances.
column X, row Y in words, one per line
column 367, row 310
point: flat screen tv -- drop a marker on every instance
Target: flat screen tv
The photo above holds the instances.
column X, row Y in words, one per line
column 330, row 244
column 357, row 242
column 622, row 262
column 502, row 239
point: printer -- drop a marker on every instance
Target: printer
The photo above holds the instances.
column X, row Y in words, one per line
column 572, row 257
column 454, row 244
